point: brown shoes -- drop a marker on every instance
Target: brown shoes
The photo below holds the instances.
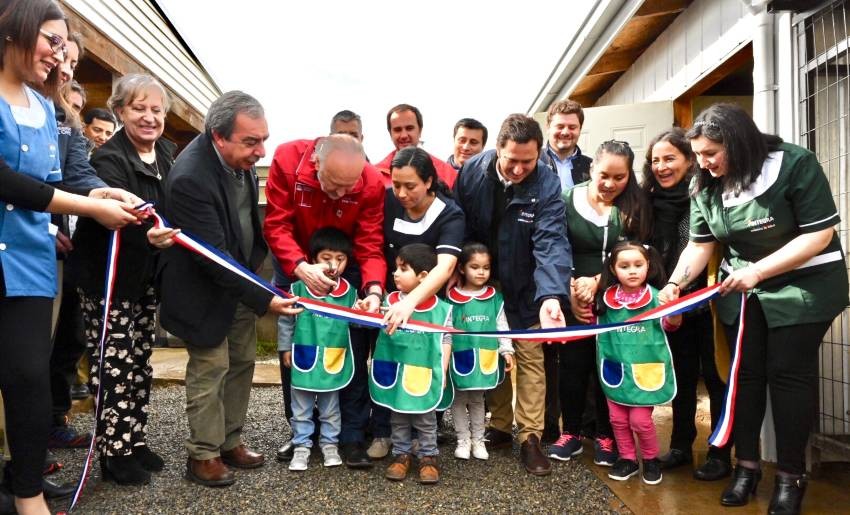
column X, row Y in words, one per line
column 210, row 472
column 242, row 458
column 533, row 458
column 397, row 470
column 429, row 471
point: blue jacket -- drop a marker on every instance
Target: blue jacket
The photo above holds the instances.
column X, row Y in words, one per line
column 27, row 249
column 535, row 259
column 78, row 176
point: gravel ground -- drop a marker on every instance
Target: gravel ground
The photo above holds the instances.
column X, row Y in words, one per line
column 499, row 485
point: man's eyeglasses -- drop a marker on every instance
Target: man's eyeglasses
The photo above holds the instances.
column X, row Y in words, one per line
column 57, row 44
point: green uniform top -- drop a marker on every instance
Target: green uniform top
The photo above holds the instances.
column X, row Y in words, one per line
column 634, row 362
column 475, row 362
column 322, row 357
column 591, row 235
column 407, row 373
column 790, row 197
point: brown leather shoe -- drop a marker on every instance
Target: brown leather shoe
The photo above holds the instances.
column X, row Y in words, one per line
column 533, row 458
column 210, row 472
column 429, row 470
column 498, row 439
column 242, row 458
column 397, row 470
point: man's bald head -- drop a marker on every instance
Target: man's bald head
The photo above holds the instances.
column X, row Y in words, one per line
column 339, row 161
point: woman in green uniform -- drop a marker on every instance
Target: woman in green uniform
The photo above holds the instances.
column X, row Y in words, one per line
column 770, row 205
column 608, row 208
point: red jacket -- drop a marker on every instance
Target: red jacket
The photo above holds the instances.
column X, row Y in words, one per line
column 445, row 171
column 297, row 207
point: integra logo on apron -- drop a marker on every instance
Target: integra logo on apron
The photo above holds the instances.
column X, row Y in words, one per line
column 761, row 224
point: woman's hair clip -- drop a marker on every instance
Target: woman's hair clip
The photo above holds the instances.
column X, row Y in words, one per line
column 707, row 123
column 646, row 246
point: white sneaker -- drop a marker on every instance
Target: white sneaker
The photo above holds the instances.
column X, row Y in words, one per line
column 331, row 454
column 462, row 450
column 479, row 450
column 300, row 458
column 379, row 448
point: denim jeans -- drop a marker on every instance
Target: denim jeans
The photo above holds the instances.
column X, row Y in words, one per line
column 302, row 423
column 424, row 423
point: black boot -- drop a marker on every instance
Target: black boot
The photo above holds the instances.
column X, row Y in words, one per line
column 124, row 470
column 742, row 486
column 148, row 459
column 713, row 469
column 788, row 495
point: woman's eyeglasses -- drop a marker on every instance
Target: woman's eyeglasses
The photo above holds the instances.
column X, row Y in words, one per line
column 57, row 44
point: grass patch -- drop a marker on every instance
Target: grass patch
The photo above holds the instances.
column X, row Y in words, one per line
column 266, row 350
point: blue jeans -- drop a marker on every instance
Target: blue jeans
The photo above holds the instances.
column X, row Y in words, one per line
column 302, row 423
column 424, row 423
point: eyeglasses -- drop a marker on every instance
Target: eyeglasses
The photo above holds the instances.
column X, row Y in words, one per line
column 57, row 43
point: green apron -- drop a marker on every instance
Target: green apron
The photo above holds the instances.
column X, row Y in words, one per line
column 475, row 363
column 322, row 359
column 635, row 363
column 407, row 367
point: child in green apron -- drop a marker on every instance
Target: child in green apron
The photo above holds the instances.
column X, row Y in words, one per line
column 634, row 362
column 475, row 363
column 408, row 373
column 320, row 355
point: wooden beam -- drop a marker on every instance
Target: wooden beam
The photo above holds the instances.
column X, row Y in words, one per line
column 662, row 7
column 683, row 115
column 615, row 62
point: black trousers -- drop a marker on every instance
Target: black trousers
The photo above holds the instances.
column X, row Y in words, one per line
column 785, row 359
column 553, row 405
column 577, row 362
column 692, row 346
column 25, row 383
column 69, row 344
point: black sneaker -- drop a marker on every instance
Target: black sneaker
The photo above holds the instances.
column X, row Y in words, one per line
column 623, row 469
column 652, row 471
column 285, row 452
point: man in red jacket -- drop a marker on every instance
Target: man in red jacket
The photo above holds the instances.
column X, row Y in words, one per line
column 318, row 183
column 404, row 123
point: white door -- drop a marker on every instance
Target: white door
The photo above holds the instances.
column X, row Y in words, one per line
column 635, row 123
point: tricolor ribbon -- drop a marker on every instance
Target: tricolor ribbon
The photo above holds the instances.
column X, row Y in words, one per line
column 723, row 429
column 560, row 334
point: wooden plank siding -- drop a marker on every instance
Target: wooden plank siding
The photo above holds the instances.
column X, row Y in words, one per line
column 702, row 37
column 127, row 36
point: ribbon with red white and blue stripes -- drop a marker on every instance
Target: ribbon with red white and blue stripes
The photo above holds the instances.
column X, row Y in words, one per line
column 197, row 246
column 108, row 289
column 723, row 430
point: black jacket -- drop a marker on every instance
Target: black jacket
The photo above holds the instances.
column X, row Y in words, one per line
column 535, row 259
column 581, row 164
column 118, row 164
column 198, row 297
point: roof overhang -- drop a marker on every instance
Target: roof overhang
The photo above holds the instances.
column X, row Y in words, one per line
column 610, row 39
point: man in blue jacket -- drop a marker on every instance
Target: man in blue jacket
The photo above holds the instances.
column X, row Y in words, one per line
column 513, row 204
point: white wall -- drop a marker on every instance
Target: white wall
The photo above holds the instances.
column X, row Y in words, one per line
column 702, row 37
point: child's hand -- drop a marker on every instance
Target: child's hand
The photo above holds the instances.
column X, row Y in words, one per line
column 287, row 359
column 509, row 362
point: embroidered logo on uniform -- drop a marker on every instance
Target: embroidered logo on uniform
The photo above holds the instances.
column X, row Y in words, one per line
column 304, row 195
column 526, row 217
column 761, row 224
column 476, row 318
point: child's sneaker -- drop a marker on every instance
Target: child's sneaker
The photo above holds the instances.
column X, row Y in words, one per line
column 623, row 469
column 605, row 451
column 379, row 448
column 479, row 450
column 331, row 455
column 566, row 447
column 300, row 458
column 652, row 471
column 463, row 449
